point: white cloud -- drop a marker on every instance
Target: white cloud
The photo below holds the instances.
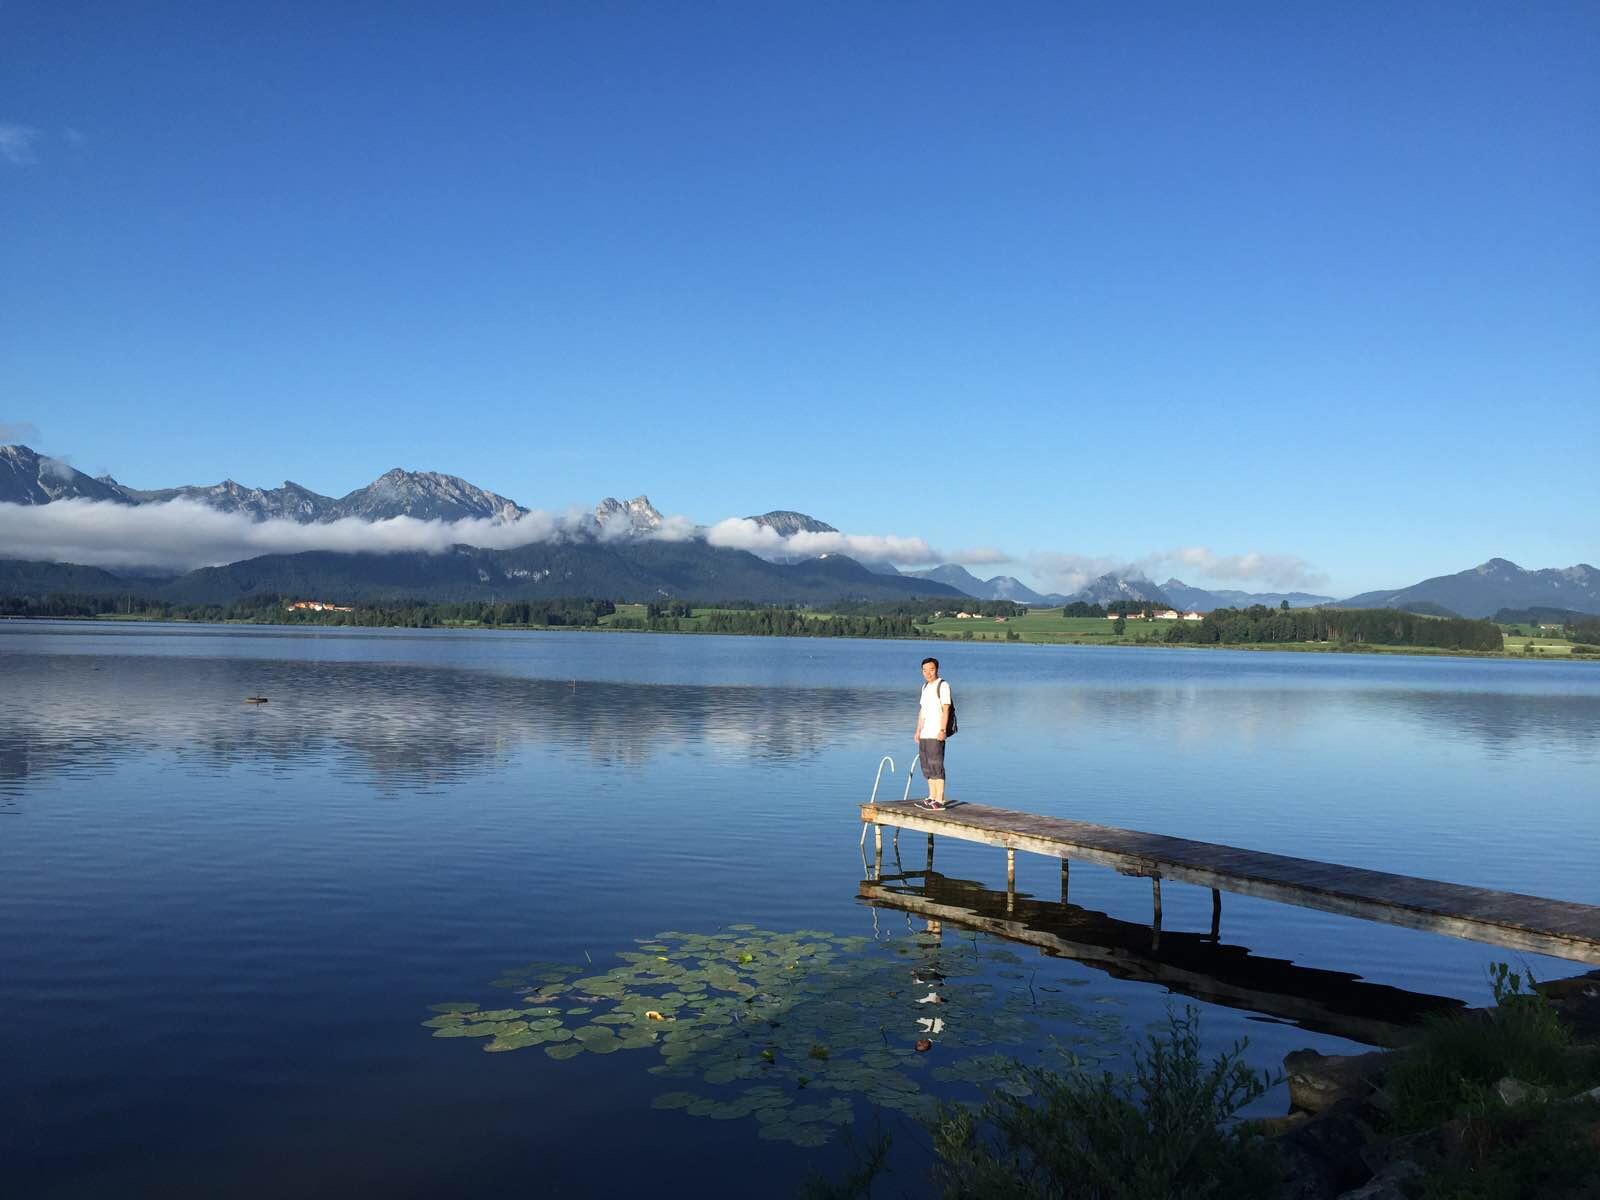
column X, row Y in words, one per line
column 18, row 431
column 1067, row 573
column 17, row 142
column 675, row 529
column 56, row 467
column 740, row 533
column 183, row 534
column 1276, row 570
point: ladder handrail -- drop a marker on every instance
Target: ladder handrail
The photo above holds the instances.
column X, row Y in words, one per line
column 879, row 776
column 875, row 779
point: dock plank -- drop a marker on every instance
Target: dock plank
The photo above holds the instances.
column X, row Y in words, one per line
column 1556, row 927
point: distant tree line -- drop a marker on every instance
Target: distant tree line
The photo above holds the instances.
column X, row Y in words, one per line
column 1116, row 608
column 67, row 604
column 789, row 622
column 923, row 608
column 1083, row 608
column 1352, row 626
column 273, row 610
column 1585, row 631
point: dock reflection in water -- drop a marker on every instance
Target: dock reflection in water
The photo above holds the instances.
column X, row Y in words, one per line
column 1200, row 965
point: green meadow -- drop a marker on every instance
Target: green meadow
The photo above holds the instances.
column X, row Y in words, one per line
column 1048, row 626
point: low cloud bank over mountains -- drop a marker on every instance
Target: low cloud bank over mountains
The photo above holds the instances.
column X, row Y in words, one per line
column 54, row 512
column 50, row 512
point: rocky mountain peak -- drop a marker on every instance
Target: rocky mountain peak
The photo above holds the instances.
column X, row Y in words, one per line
column 424, row 495
column 1112, row 586
column 28, row 477
column 636, row 516
column 785, row 522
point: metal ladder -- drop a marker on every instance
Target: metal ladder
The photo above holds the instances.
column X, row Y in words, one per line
column 873, row 799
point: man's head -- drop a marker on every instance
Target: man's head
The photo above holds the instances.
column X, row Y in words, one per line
column 930, row 669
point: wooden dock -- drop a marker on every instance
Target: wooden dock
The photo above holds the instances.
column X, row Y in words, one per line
column 1529, row 923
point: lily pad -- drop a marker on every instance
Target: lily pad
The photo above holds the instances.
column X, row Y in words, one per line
column 767, row 1019
column 674, row 1100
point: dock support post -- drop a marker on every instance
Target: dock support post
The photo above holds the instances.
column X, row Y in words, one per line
column 1216, row 915
column 1011, row 869
column 1064, row 863
column 1155, row 895
column 877, row 839
column 930, row 854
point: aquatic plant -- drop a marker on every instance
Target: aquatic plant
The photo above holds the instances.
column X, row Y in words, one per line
column 768, row 1024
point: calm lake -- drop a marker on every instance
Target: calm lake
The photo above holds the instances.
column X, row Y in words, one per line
column 261, row 950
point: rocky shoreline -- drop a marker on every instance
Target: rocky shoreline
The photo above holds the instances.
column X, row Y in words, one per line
column 1337, row 1142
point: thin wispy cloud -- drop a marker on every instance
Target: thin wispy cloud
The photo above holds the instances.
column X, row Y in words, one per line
column 17, row 143
column 56, row 467
column 979, row 556
column 1276, row 570
column 18, row 431
column 1067, row 573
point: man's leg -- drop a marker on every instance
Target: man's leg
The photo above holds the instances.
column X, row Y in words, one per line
column 936, row 773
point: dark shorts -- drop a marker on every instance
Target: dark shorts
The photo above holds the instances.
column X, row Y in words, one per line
column 931, row 752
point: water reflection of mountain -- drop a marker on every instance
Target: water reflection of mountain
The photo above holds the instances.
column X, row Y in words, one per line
column 1192, row 964
column 397, row 725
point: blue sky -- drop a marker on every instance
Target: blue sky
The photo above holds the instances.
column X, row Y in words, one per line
column 1080, row 284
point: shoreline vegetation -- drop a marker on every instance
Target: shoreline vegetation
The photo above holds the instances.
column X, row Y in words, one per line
column 1495, row 1103
column 1127, row 623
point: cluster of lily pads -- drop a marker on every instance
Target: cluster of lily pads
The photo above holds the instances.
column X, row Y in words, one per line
column 789, row 1028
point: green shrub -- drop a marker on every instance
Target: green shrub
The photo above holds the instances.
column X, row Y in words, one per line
column 1163, row 1133
column 1524, row 1156
column 1452, row 1068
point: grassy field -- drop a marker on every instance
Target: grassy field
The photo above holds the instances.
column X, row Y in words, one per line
column 1047, row 625
column 1540, row 647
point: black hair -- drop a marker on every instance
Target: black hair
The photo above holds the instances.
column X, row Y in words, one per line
column 934, row 661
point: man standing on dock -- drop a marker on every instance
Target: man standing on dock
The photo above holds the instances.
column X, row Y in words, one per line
column 933, row 719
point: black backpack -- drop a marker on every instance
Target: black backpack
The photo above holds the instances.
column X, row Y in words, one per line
column 950, row 726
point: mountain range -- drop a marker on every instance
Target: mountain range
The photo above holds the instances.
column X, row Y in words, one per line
column 614, row 552
column 1485, row 589
column 618, row 570
column 1203, row 600
column 1000, row 587
column 27, row 477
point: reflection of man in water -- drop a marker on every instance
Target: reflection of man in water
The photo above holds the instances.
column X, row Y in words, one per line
column 929, row 973
column 933, row 715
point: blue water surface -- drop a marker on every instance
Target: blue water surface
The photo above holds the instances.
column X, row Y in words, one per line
column 222, row 924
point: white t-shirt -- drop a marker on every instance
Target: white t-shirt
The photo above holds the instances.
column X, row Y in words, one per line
column 935, row 696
